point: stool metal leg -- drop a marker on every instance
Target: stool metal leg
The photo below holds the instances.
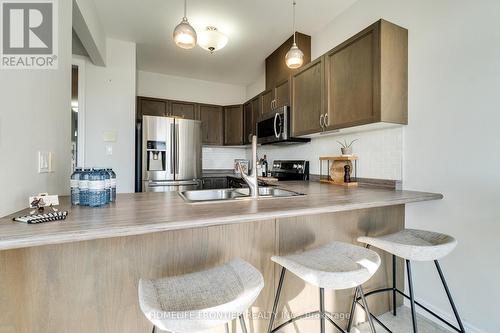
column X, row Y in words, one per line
column 394, row 285
column 276, row 300
column 412, row 297
column 353, row 307
column 367, row 311
column 322, row 310
column 242, row 323
column 154, row 329
column 448, row 293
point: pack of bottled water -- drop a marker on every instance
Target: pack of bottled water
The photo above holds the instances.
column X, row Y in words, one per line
column 93, row 187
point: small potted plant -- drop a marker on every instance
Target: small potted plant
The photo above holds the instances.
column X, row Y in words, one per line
column 346, row 147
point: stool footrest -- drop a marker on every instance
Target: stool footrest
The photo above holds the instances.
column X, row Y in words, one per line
column 376, row 291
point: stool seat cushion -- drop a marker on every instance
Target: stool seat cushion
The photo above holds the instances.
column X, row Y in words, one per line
column 201, row 300
column 336, row 265
column 413, row 244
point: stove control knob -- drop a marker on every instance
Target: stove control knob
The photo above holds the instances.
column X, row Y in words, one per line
column 295, row 166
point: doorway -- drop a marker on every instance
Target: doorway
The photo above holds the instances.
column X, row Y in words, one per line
column 77, row 113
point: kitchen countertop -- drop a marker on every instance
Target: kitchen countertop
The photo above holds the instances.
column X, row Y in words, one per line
column 141, row 213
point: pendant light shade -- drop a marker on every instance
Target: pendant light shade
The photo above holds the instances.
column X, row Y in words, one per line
column 294, row 57
column 184, row 34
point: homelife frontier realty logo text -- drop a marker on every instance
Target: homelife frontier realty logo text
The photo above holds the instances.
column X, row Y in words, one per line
column 29, row 34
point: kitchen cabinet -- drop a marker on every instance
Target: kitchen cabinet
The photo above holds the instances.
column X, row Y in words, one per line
column 257, row 111
column 185, row 110
column 210, row 183
column 248, row 120
column 151, row 107
column 366, row 78
column 233, row 125
column 276, row 69
column 276, row 97
column 212, row 120
column 282, row 93
column 251, row 114
column 308, row 99
column 362, row 81
column 267, row 101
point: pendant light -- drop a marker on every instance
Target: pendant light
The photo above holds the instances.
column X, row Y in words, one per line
column 294, row 57
column 184, row 33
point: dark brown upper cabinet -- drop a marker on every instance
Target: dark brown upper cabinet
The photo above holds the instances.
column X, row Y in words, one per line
column 248, row 120
column 282, row 93
column 212, row 120
column 233, row 125
column 251, row 114
column 151, row 107
column 185, row 110
column 366, row 78
column 276, row 68
column 267, row 101
column 308, row 98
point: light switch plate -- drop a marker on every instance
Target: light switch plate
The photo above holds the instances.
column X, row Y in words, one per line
column 43, row 162
column 109, row 136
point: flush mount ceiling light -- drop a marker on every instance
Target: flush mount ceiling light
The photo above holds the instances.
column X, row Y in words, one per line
column 294, row 57
column 212, row 39
column 184, row 34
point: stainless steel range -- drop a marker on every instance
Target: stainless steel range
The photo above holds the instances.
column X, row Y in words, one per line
column 290, row 169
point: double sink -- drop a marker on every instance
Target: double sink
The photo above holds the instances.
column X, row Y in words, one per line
column 218, row 195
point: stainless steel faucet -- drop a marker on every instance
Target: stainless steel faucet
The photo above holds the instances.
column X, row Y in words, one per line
column 251, row 179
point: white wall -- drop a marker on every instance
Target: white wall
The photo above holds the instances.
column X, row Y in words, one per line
column 110, row 107
column 35, row 115
column 454, row 75
column 186, row 89
column 380, row 152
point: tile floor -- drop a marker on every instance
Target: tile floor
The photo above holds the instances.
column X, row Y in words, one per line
column 402, row 323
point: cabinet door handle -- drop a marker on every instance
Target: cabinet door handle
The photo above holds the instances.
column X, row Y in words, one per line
column 326, row 122
column 321, row 121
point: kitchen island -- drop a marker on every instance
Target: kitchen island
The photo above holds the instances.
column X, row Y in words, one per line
column 81, row 275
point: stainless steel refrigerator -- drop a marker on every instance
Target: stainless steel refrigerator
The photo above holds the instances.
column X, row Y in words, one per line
column 171, row 154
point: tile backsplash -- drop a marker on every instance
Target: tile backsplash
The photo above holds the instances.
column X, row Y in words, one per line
column 222, row 157
column 380, row 153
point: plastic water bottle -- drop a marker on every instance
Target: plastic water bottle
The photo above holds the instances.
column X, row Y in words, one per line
column 107, row 185
column 83, row 185
column 112, row 175
column 97, row 191
column 75, row 186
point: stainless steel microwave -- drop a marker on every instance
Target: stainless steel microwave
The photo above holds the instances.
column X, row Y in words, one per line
column 275, row 128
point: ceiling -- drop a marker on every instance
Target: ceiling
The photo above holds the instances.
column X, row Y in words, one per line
column 255, row 29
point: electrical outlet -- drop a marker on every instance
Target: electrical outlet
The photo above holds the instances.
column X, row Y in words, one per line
column 43, row 162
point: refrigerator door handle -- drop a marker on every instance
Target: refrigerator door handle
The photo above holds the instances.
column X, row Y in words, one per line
column 176, row 149
column 172, row 148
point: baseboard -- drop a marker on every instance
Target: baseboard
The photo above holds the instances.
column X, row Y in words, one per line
column 446, row 315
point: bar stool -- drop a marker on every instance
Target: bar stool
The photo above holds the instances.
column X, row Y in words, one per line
column 334, row 266
column 417, row 245
column 202, row 300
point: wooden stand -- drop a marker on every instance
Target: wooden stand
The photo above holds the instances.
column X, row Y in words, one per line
column 335, row 170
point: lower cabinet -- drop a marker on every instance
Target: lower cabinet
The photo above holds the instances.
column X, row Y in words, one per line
column 212, row 120
column 210, row 183
column 233, row 125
